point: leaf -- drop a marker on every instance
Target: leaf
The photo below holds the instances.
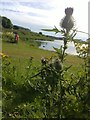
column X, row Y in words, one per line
column 74, row 35
column 84, row 32
column 52, row 30
column 65, row 69
column 58, row 51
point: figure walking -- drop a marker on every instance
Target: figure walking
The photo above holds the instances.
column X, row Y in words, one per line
column 16, row 38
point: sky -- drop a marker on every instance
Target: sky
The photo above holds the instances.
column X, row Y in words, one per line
column 40, row 14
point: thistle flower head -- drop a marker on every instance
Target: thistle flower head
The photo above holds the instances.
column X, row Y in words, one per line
column 57, row 64
column 43, row 61
column 69, row 11
column 68, row 21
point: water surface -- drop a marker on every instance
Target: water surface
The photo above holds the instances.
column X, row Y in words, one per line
column 48, row 45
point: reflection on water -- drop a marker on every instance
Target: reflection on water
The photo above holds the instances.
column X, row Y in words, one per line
column 48, row 45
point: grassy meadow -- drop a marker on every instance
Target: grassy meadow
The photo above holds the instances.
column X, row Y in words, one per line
column 23, row 51
column 19, row 56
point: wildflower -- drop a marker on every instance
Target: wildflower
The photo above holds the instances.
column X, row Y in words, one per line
column 84, row 46
column 3, row 55
column 68, row 21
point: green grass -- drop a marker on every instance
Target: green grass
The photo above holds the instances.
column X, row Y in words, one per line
column 24, row 50
column 27, row 47
column 20, row 53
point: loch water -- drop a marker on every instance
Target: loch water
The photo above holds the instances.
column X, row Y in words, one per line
column 48, row 45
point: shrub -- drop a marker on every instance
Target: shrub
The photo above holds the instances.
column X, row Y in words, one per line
column 6, row 23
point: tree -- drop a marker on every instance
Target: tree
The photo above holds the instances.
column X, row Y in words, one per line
column 6, row 23
column 40, row 33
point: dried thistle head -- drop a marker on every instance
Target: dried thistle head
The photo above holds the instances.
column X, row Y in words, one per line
column 44, row 61
column 69, row 11
column 58, row 64
column 68, row 21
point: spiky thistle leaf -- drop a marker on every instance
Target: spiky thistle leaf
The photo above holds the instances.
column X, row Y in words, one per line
column 52, row 30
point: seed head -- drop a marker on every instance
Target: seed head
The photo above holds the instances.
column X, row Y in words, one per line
column 69, row 11
column 68, row 21
column 57, row 64
column 43, row 61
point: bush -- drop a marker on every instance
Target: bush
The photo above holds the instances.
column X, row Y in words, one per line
column 6, row 23
column 8, row 37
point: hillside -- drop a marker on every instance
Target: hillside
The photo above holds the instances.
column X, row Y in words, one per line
column 24, row 33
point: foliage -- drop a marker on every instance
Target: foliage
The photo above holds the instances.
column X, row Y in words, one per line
column 6, row 23
column 8, row 37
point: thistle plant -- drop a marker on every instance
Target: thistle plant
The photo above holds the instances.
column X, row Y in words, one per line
column 67, row 23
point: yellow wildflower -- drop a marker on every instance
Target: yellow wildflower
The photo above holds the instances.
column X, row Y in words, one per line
column 3, row 55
